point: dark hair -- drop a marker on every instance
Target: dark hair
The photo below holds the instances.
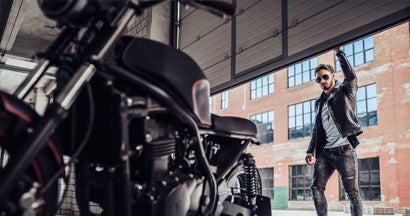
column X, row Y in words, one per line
column 325, row 67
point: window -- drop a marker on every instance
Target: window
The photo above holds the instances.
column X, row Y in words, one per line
column 262, row 86
column 366, row 108
column 300, row 181
column 264, row 123
column 266, row 175
column 369, row 180
column 358, row 52
column 224, row 100
column 301, row 119
column 302, row 72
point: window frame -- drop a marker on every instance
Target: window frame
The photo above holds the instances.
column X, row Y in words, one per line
column 224, row 100
column 353, row 52
column 306, row 129
column 269, row 192
column 305, row 73
column 367, row 99
column 270, row 135
column 262, row 86
column 368, row 172
column 307, row 175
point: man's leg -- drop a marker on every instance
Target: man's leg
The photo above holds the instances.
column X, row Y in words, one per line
column 347, row 166
column 322, row 171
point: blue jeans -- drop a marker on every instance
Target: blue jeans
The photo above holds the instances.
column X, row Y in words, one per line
column 345, row 162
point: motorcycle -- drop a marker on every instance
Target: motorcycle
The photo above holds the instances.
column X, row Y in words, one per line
column 132, row 115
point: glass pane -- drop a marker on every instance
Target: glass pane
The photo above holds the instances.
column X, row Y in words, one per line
column 371, row 105
column 300, row 182
column 376, row 193
column 361, row 107
column 372, row 118
column 374, row 164
column 306, row 119
column 313, row 62
column 264, row 90
column 299, row 120
column 264, row 81
column 368, row 42
column 299, row 109
column 363, row 121
column 364, row 193
column 375, row 178
column 358, row 59
column 351, row 60
column 308, row 130
column 291, row 110
column 291, row 71
column 358, row 46
column 253, row 94
column 298, row 68
column 253, row 85
column 306, row 76
column 258, row 83
column 292, row 133
column 363, row 180
column 361, row 94
column 348, row 49
column 371, row 91
column 291, row 81
column 306, row 107
column 338, row 67
column 292, row 122
column 305, row 65
column 369, row 55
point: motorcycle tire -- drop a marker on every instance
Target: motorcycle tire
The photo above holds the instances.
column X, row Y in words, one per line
column 15, row 118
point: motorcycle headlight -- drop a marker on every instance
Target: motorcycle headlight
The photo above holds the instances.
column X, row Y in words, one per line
column 66, row 11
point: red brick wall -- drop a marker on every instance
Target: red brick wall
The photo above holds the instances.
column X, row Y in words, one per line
column 389, row 139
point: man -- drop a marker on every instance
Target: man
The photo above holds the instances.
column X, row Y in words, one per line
column 334, row 136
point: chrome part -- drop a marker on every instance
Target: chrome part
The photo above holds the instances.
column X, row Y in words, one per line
column 72, row 89
column 29, row 202
column 201, row 94
column 28, row 83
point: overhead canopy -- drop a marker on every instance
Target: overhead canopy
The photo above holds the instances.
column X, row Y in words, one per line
column 264, row 36
column 267, row 35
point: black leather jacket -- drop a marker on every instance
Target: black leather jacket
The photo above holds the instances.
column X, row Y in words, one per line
column 342, row 109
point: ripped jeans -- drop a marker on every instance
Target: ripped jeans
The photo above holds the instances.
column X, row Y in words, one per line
column 345, row 162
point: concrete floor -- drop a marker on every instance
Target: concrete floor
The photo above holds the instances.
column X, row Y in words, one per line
column 311, row 213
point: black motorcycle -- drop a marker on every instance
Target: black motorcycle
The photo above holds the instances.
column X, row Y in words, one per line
column 133, row 117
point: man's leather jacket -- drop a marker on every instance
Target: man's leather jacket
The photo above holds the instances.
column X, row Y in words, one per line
column 342, row 109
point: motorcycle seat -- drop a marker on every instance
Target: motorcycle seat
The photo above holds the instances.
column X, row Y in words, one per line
column 231, row 124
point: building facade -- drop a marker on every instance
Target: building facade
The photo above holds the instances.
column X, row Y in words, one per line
column 281, row 104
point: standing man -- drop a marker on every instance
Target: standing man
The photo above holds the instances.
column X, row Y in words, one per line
column 334, row 136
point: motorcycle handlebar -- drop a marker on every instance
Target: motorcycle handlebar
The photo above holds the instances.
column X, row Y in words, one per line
column 78, row 12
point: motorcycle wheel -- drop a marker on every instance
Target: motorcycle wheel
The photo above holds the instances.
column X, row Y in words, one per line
column 14, row 116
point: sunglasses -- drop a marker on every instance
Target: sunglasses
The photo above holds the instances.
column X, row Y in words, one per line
column 319, row 79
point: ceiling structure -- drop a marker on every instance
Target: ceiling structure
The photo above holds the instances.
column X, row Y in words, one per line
column 263, row 36
column 24, row 31
column 268, row 35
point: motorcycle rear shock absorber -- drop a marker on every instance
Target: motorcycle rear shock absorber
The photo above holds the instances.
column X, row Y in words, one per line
column 250, row 178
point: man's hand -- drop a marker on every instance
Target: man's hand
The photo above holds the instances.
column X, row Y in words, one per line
column 338, row 49
column 308, row 158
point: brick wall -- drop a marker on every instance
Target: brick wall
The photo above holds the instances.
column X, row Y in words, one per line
column 389, row 139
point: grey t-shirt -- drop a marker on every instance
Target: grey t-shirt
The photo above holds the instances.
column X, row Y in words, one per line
column 333, row 137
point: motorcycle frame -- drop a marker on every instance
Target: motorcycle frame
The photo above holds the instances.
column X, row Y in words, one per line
column 59, row 109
